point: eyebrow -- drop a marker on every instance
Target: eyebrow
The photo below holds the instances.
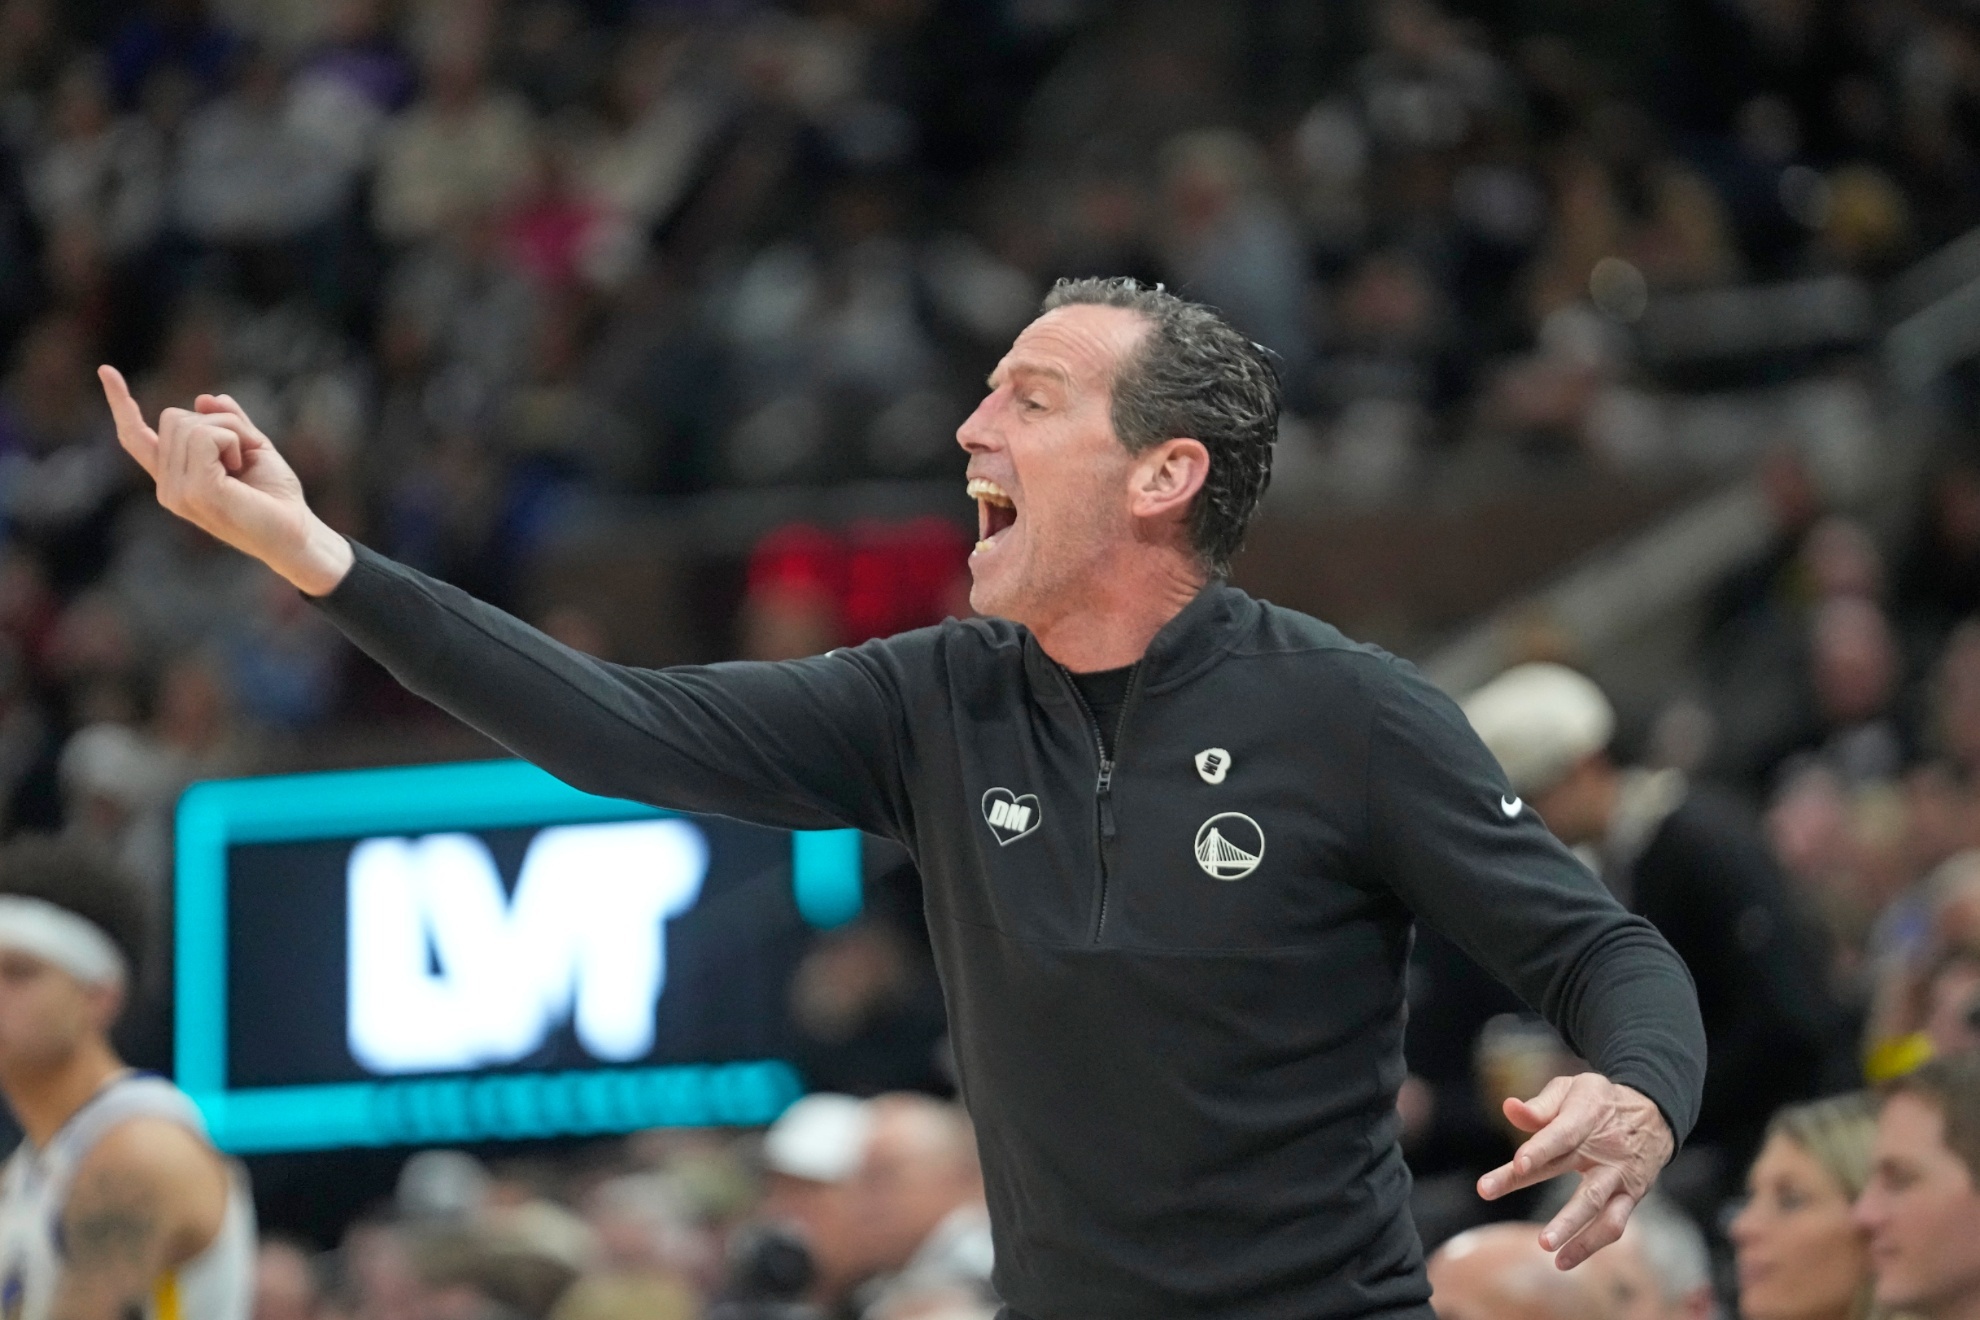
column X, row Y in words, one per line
column 1029, row 369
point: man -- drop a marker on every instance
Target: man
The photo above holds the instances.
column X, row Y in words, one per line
column 1498, row 1272
column 918, row 1198
column 811, row 1156
column 114, row 1204
column 1692, row 865
column 1921, row 1207
column 1171, row 839
column 1660, row 1270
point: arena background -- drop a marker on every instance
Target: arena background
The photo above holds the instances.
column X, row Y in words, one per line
column 1635, row 335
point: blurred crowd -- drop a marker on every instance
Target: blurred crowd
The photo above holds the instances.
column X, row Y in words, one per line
column 491, row 270
column 844, row 1207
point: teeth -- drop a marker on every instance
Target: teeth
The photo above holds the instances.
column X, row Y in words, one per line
column 981, row 488
column 981, row 546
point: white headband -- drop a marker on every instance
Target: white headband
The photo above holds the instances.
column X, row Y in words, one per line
column 75, row 944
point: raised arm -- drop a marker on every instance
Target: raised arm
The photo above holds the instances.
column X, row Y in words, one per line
column 802, row 744
column 1475, row 862
column 148, row 1198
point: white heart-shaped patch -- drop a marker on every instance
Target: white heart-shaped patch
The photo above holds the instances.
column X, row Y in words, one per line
column 1009, row 816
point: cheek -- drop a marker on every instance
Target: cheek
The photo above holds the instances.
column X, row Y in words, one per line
column 1938, row 1230
column 1822, row 1257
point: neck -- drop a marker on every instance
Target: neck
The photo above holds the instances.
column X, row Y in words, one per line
column 43, row 1099
column 1119, row 614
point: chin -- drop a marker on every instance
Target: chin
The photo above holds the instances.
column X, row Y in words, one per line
column 989, row 597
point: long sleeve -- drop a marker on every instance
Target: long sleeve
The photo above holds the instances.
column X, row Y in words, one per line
column 802, row 744
column 1469, row 858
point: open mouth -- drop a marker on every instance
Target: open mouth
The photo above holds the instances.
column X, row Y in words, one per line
column 995, row 512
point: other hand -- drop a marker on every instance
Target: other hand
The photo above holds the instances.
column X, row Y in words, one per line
column 214, row 468
column 1614, row 1136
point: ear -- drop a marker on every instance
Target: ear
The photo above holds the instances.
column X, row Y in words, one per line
column 1166, row 478
column 106, row 1003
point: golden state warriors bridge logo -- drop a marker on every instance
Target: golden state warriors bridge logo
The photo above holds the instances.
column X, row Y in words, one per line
column 1230, row 846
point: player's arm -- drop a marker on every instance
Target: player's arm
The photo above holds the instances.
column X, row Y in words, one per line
column 147, row 1198
column 806, row 744
column 1470, row 858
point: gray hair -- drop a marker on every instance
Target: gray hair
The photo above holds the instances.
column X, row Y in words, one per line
column 1194, row 376
column 1672, row 1246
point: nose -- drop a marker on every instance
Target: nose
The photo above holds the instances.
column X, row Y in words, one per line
column 977, row 434
column 1864, row 1213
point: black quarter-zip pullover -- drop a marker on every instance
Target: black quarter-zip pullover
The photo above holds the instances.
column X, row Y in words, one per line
column 1173, row 967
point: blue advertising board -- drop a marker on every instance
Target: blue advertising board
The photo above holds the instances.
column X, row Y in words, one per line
column 479, row 951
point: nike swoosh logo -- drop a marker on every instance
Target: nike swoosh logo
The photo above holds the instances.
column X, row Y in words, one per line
column 1510, row 806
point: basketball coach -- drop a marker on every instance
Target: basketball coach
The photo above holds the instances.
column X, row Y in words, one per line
column 1173, row 838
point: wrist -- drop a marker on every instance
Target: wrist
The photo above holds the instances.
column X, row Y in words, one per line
column 322, row 563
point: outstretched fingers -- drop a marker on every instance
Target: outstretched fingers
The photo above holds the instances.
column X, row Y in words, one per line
column 1599, row 1186
column 1561, row 1121
column 138, row 440
column 1604, row 1228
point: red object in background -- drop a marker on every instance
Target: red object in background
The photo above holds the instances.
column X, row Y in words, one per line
column 798, row 560
column 901, row 575
column 883, row 577
column 546, row 238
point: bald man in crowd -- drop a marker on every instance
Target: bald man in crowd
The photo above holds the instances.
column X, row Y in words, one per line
column 1500, row 1272
column 1661, row 1269
column 886, row 1195
column 918, row 1197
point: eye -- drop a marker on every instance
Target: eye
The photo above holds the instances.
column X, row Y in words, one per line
column 1032, row 403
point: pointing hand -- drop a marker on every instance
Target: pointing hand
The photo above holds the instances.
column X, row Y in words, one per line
column 214, row 468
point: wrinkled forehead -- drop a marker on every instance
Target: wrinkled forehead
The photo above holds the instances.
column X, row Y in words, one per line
column 1084, row 344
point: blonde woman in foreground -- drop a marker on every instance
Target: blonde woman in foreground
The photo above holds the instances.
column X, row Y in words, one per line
column 1800, row 1256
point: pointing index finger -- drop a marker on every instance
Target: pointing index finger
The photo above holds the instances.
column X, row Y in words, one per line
column 1543, row 1155
column 138, row 439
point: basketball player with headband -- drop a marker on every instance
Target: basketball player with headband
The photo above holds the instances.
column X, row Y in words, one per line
column 115, row 1204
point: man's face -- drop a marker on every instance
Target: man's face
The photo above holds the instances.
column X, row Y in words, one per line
column 1922, row 1213
column 1049, row 474
column 1621, row 1270
column 904, row 1188
column 823, row 1215
column 44, row 1011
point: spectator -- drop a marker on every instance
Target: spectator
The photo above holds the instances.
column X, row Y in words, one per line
column 286, row 1286
column 1500, row 1272
column 244, row 174
column 1700, row 873
column 1856, row 673
column 919, row 1199
column 811, row 1156
column 1232, row 245
column 1660, row 1269
column 1922, row 1203
column 97, row 170
column 1800, row 1256
column 462, row 151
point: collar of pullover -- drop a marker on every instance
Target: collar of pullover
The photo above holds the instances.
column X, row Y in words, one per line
column 1186, row 645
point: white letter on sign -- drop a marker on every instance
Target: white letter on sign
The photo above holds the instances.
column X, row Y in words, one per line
column 445, row 972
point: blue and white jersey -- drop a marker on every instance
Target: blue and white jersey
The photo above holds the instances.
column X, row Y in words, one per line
column 217, row 1284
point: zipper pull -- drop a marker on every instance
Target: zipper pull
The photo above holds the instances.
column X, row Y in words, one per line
column 1106, row 793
